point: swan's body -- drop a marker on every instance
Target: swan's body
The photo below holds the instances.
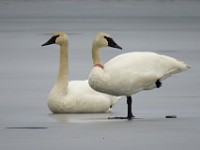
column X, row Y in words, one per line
column 129, row 73
column 74, row 96
column 80, row 98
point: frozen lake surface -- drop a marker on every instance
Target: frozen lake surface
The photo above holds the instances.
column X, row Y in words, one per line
column 28, row 72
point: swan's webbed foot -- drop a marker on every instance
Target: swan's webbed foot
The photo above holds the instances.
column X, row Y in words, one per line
column 158, row 83
column 128, row 117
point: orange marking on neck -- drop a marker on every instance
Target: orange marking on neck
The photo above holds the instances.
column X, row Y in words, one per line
column 99, row 65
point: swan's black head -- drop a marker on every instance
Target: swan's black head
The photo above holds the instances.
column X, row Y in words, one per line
column 112, row 43
column 52, row 40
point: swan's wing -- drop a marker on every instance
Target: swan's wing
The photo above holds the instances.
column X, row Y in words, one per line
column 83, row 90
column 140, row 70
column 144, row 64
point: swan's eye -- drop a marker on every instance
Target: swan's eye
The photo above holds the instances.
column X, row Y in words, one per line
column 111, row 42
column 56, row 36
column 108, row 38
column 52, row 40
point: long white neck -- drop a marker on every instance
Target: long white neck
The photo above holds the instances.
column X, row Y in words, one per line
column 62, row 79
column 96, row 56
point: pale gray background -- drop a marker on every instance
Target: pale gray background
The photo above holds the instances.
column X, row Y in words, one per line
column 28, row 72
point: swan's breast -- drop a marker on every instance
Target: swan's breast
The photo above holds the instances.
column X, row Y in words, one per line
column 99, row 80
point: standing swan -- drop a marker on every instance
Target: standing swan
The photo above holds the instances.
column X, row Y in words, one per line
column 74, row 96
column 129, row 73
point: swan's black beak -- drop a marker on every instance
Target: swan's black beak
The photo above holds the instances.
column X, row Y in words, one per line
column 112, row 43
column 52, row 40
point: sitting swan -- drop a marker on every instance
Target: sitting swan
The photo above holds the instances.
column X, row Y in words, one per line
column 129, row 73
column 75, row 96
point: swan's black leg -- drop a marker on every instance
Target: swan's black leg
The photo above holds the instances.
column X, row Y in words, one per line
column 129, row 103
column 130, row 114
column 158, row 83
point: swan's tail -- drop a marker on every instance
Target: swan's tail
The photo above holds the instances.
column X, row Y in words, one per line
column 114, row 100
column 183, row 66
column 176, row 66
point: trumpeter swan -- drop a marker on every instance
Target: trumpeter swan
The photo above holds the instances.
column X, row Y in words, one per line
column 74, row 96
column 129, row 73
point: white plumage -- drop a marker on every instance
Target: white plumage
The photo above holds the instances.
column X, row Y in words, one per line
column 129, row 73
column 74, row 96
column 80, row 98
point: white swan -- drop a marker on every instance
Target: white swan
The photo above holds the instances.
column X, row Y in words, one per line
column 129, row 73
column 75, row 96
